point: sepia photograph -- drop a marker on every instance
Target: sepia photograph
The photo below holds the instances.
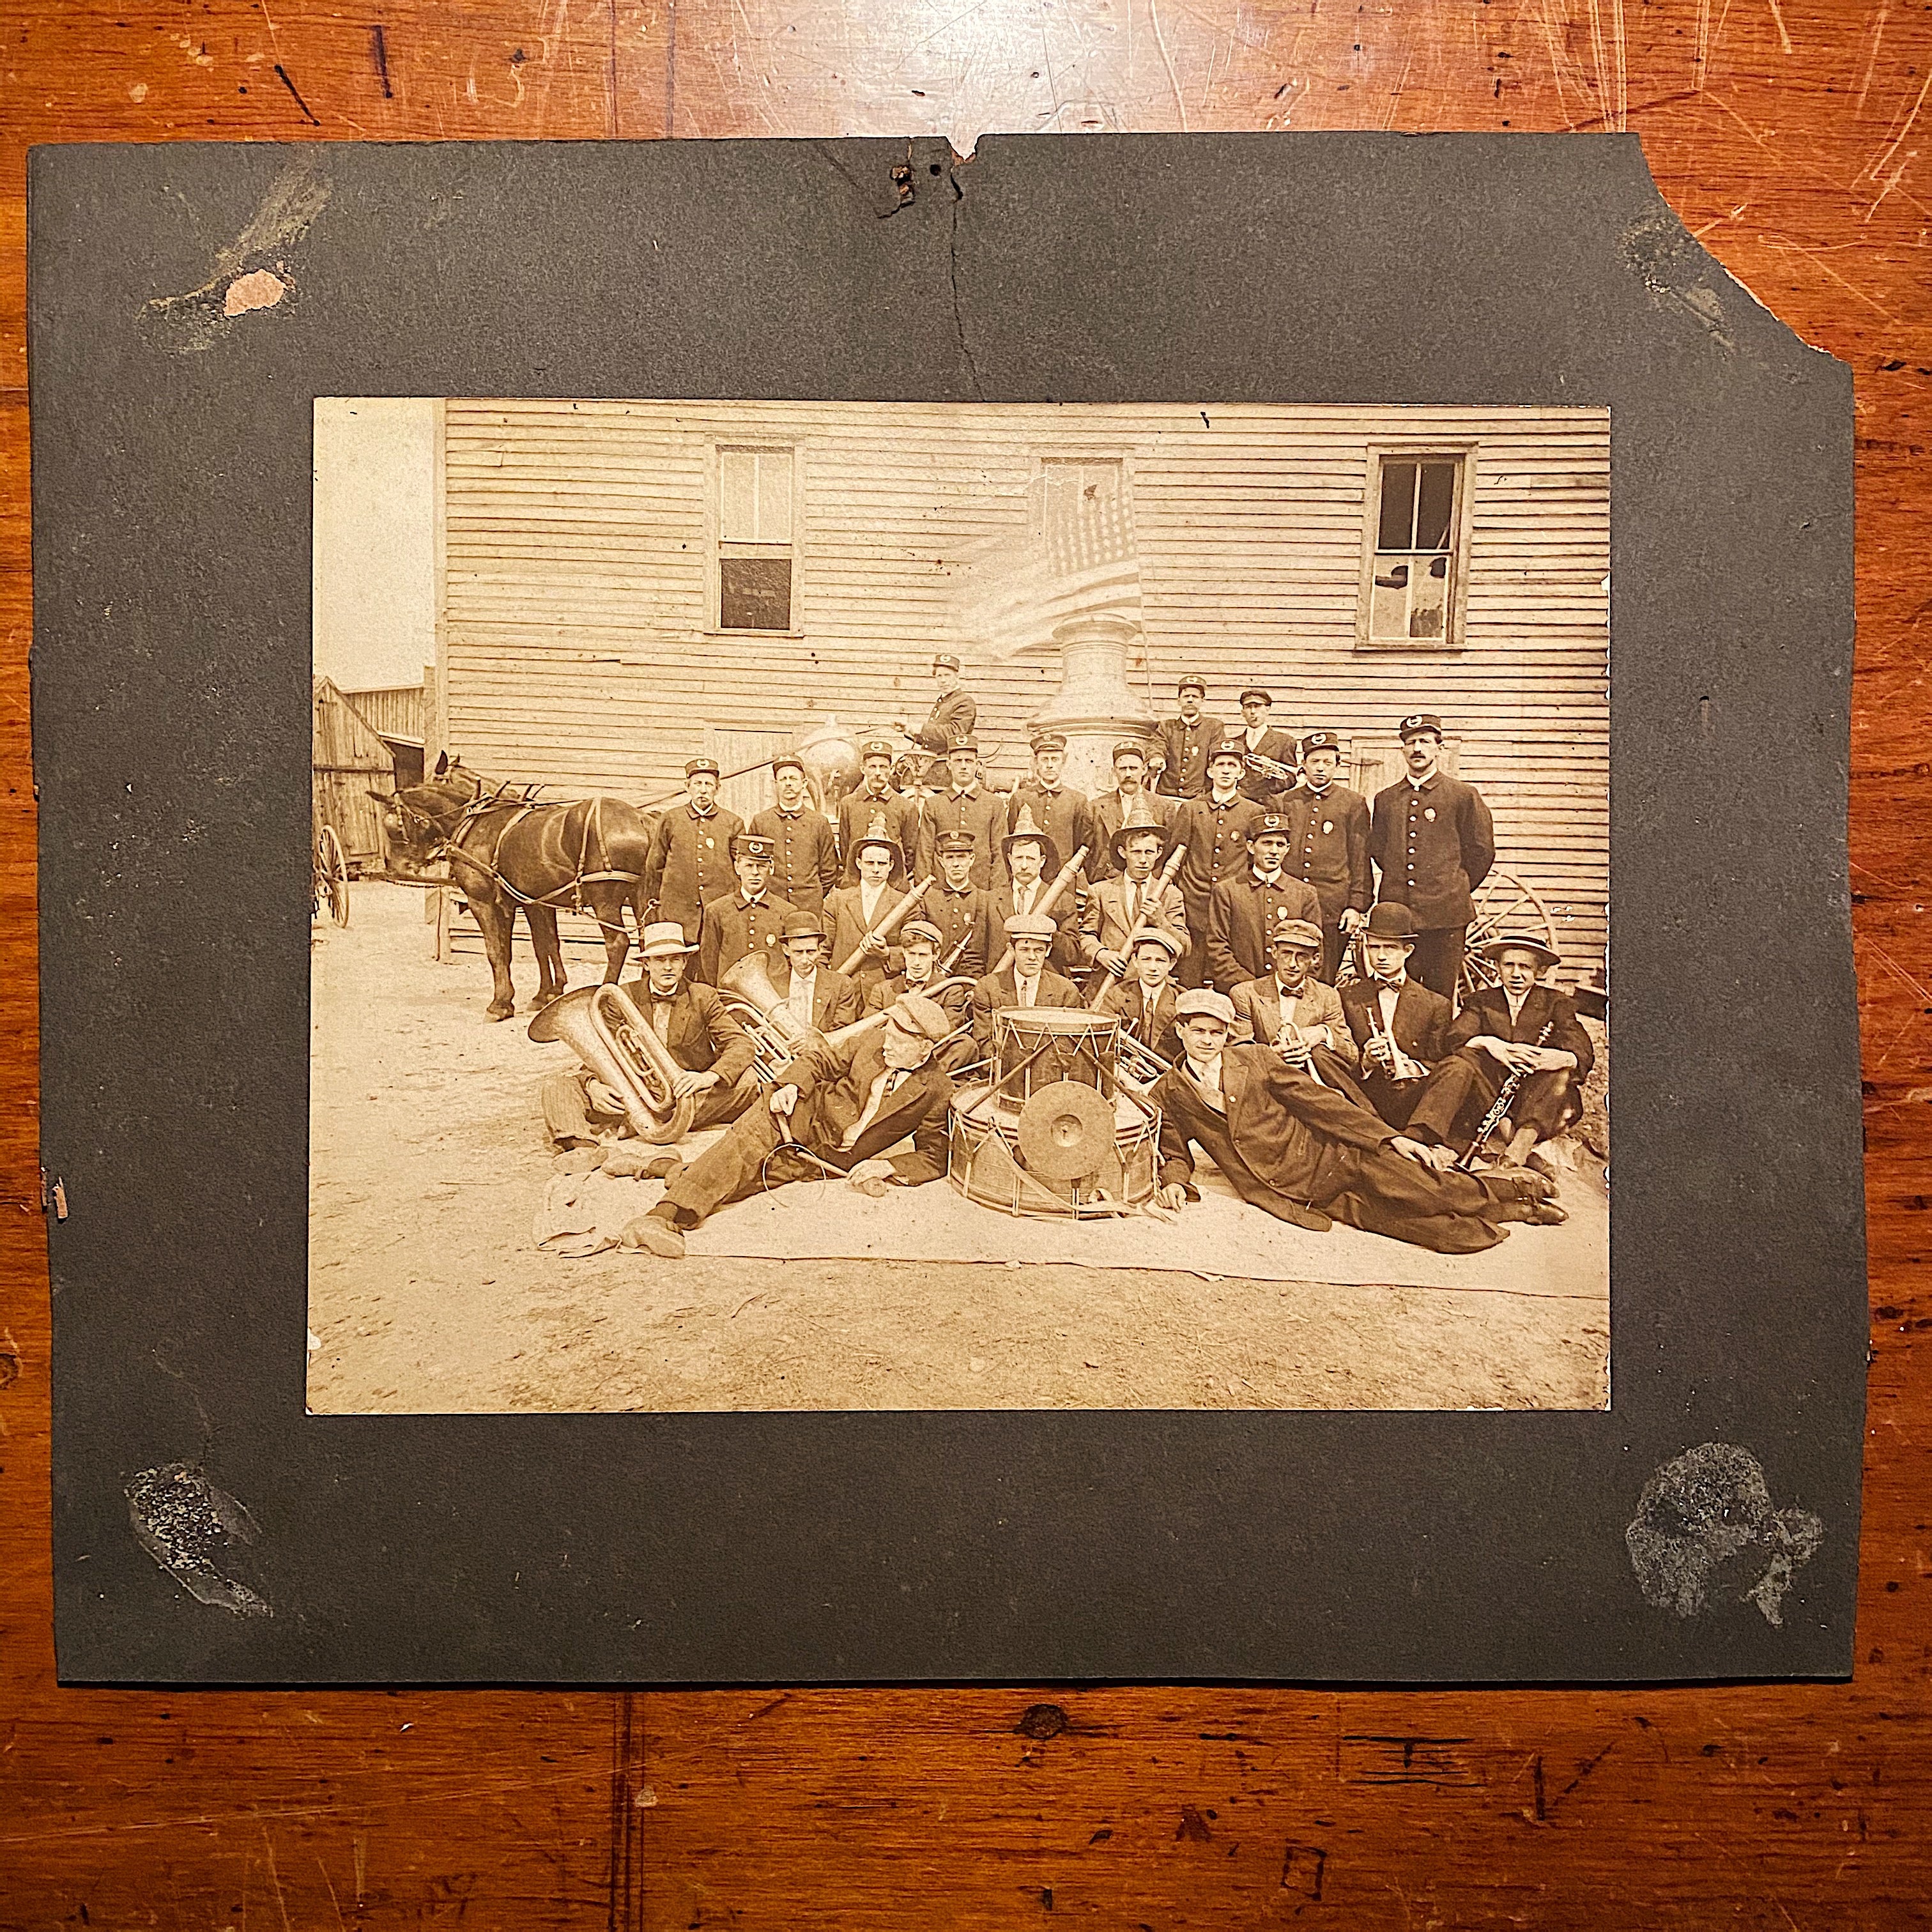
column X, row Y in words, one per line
column 959, row 906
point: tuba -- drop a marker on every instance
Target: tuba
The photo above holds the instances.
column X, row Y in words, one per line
column 778, row 1035
column 603, row 1026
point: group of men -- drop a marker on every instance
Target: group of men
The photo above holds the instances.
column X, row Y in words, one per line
column 1215, row 900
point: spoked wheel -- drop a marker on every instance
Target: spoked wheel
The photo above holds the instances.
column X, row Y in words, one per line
column 331, row 868
column 1505, row 903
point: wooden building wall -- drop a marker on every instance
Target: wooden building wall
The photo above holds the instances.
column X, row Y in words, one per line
column 576, row 647
column 396, row 711
column 349, row 761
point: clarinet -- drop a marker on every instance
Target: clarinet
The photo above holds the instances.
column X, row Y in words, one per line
column 1500, row 1106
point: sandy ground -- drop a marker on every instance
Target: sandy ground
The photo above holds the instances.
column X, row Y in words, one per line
column 427, row 1295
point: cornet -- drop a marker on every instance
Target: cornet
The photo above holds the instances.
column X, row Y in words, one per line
column 604, row 1027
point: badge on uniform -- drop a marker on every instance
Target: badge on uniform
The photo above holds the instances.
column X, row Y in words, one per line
column 1327, row 827
column 1429, row 813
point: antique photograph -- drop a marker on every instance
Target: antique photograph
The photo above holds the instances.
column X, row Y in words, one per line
column 959, row 906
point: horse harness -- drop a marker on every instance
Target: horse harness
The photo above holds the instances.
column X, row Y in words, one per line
column 570, row 893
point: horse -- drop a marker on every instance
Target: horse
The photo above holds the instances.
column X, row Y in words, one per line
column 507, row 852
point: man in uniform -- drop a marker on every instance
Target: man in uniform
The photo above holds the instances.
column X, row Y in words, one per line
column 854, row 912
column 1215, row 830
column 1130, row 802
column 1519, row 1026
column 1293, row 1012
column 1027, row 981
column 1247, row 908
column 1259, row 739
column 1116, row 904
column 1431, row 838
column 810, row 991
column 1401, row 1027
column 1143, row 1002
column 750, row 920
column 712, row 1048
column 806, row 848
column 1303, row 1153
column 837, row 1109
column 1032, row 861
column 690, row 850
column 875, row 795
column 1058, row 810
column 967, row 805
column 1328, row 845
column 961, row 910
column 1184, row 743
column 918, row 972
column 951, row 718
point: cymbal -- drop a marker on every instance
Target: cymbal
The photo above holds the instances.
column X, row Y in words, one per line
column 1066, row 1131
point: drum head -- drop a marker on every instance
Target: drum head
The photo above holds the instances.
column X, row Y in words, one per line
column 1066, row 1130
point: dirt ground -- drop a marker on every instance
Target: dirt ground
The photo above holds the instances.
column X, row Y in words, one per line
column 427, row 1295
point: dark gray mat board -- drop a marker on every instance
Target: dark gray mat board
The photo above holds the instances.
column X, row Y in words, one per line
column 171, row 450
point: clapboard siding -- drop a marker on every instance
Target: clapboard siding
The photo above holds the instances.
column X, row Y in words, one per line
column 576, row 652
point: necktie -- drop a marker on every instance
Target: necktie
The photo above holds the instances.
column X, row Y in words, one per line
column 1133, row 904
column 661, row 1019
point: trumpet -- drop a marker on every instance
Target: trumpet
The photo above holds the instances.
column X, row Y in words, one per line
column 1272, row 768
column 603, row 1026
column 778, row 1036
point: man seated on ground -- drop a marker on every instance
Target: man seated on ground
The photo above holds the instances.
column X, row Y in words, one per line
column 748, row 920
column 1292, row 1012
column 1400, row 1026
column 811, row 992
column 1519, row 1026
column 712, row 1048
column 1027, row 981
column 1246, row 908
column 1143, row 1002
column 1117, row 903
column 918, row 952
column 837, row 1110
column 1302, row 1153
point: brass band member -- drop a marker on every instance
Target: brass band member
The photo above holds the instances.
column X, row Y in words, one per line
column 1032, row 859
column 1401, row 1027
column 1431, row 838
column 1055, row 809
column 1027, row 982
column 1130, row 802
column 1247, row 908
column 967, row 806
column 1293, row 1012
column 1300, row 1151
column 837, row 1108
column 1115, row 905
column 953, row 714
column 813, row 994
column 1328, row 845
column 968, row 936
column 690, row 850
column 874, row 797
column 1184, row 743
column 1215, row 830
column 1258, row 735
column 750, row 920
column 713, row 1048
column 852, row 911
column 1519, row 1026
column 806, row 847
column 1145, row 1001
column 918, row 972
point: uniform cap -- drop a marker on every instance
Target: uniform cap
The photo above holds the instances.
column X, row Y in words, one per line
column 1229, row 747
column 877, row 748
column 1128, row 748
column 694, row 765
column 1269, row 821
column 787, row 758
column 1417, row 723
column 1320, row 741
column 946, row 661
column 1190, row 684
column 753, row 845
column 1387, row 920
column 1048, row 741
column 1255, row 691
column 922, row 1018
column 1296, row 932
column 1204, row 1004
column 956, row 841
column 964, row 745
column 921, row 928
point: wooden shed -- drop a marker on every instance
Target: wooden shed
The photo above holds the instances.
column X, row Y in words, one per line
column 350, row 760
column 626, row 583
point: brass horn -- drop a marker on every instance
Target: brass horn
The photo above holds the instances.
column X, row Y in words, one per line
column 778, row 1035
column 603, row 1026
column 1138, row 1064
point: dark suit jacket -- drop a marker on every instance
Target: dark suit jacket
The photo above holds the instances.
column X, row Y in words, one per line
column 832, row 1083
column 1241, row 914
column 1433, row 845
column 701, row 1033
column 1124, row 999
column 856, row 811
column 996, row 991
column 1278, row 746
column 1107, row 815
column 1186, row 747
column 1258, row 1014
column 1066, row 953
column 847, row 913
column 835, row 1001
column 1489, row 1013
column 1422, row 1020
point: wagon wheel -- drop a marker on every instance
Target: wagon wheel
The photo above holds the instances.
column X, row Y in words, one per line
column 332, row 870
column 1505, row 903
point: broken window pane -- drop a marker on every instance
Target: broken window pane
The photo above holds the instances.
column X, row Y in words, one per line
column 754, row 593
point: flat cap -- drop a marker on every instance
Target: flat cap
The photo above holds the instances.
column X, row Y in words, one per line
column 1031, row 926
column 1205, row 1003
column 923, row 1018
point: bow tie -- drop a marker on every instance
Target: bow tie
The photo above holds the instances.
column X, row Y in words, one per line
column 1381, row 982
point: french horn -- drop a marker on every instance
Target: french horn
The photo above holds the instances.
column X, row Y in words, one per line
column 603, row 1026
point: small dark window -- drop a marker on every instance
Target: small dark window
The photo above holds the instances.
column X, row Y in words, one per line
column 754, row 593
column 1411, row 587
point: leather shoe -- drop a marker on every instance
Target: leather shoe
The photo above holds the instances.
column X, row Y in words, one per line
column 656, row 1236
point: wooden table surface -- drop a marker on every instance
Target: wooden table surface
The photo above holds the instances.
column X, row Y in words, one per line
column 1787, row 133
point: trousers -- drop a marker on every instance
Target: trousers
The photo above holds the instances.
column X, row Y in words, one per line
column 1457, row 1094
column 1437, row 961
column 569, row 1118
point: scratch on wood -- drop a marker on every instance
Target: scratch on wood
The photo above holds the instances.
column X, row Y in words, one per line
column 282, row 75
column 379, row 48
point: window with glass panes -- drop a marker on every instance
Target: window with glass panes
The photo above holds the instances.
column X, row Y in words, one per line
column 755, row 556
column 1411, row 590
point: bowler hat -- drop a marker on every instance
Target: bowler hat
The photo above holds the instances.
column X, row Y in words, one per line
column 1387, row 920
column 801, row 925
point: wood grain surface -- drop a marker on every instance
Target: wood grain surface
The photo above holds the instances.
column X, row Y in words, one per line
column 1788, row 136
